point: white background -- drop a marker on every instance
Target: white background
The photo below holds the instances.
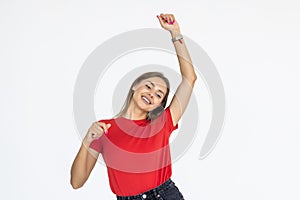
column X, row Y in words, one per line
column 254, row 45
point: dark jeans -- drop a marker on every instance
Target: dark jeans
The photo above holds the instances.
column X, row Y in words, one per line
column 166, row 191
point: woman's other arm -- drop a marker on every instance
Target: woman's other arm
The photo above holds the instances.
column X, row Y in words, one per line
column 86, row 157
column 83, row 164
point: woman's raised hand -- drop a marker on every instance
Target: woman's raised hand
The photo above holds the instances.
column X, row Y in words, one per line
column 96, row 130
column 168, row 22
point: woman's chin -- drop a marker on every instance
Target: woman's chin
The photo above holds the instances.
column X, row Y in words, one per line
column 145, row 107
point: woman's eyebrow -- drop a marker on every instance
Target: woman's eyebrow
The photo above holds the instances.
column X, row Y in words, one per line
column 154, row 86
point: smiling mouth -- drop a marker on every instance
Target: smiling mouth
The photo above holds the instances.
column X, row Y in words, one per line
column 147, row 101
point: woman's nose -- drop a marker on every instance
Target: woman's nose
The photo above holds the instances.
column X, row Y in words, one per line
column 151, row 95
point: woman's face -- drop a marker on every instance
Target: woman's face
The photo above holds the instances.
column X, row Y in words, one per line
column 149, row 93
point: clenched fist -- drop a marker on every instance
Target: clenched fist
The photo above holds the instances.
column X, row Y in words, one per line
column 96, row 130
column 168, row 22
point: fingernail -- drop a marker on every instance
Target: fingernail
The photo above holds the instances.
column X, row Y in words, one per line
column 171, row 22
column 106, row 132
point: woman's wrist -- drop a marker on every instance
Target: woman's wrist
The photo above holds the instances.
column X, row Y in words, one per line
column 86, row 141
column 176, row 36
column 175, row 33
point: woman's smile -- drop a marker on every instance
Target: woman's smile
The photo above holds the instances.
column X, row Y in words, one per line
column 146, row 100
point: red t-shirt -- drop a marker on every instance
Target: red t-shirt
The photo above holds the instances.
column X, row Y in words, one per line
column 136, row 153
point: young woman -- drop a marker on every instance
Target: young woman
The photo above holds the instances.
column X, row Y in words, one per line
column 135, row 143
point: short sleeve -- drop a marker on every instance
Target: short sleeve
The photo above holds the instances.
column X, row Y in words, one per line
column 169, row 122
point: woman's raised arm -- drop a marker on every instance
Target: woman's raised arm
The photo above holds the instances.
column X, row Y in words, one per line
column 183, row 93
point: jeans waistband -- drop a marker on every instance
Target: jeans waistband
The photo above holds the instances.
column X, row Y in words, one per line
column 148, row 193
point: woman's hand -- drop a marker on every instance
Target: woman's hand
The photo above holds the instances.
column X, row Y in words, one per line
column 96, row 130
column 168, row 22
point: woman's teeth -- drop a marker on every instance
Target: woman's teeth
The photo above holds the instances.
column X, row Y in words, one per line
column 145, row 99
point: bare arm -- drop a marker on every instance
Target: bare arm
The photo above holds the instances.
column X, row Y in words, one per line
column 183, row 93
column 83, row 164
column 86, row 157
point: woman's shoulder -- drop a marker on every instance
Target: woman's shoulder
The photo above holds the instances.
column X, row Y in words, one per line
column 167, row 108
column 106, row 120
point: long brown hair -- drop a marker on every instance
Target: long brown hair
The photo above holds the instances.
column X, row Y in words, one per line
column 153, row 114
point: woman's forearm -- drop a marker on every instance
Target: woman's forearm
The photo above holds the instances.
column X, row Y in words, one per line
column 79, row 173
column 185, row 61
column 86, row 157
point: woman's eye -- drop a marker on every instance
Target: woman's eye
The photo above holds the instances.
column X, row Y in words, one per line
column 159, row 96
column 148, row 86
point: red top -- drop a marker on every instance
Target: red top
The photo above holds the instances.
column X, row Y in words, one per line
column 136, row 153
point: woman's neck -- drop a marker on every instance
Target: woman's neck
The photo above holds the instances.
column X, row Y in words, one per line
column 135, row 113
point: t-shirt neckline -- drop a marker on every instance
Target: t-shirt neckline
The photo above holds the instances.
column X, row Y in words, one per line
column 136, row 120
